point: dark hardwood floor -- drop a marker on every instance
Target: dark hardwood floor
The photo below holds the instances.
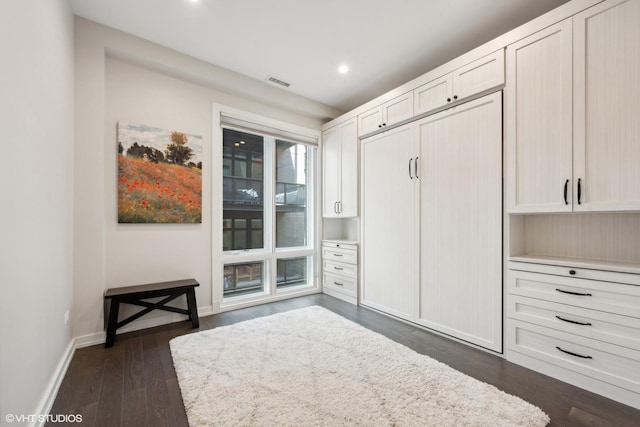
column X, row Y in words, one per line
column 134, row 382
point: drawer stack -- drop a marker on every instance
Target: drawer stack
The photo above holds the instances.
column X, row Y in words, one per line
column 583, row 321
column 340, row 269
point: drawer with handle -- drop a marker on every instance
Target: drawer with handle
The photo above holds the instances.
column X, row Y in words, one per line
column 592, row 294
column 606, row 362
column 599, row 325
column 340, row 268
column 340, row 255
column 340, row 283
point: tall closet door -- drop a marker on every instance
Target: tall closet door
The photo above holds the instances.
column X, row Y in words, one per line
column 461, row 221
column 607, row 106
column 389, row 233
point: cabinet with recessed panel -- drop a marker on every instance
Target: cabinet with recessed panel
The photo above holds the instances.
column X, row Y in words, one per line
column 572, row 103
column 578, row 320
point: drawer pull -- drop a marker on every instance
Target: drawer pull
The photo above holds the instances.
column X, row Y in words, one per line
column 572, row 272
column 339, row 284
column 573, row 293
column 338, row 255
column 574, row 354
column 338, row 268
column 573, row 321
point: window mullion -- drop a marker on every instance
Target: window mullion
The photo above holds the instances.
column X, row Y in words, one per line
column 270, row 209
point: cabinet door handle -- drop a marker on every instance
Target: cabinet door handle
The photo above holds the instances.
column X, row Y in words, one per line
column 410, row 160
column 335, row 207
column 338, row 283
column 338, row 268
column 339, row 206
column 566, row 189
column 337, row 255
column 579, row 191
column 574, row 354
column 573, row 293
column 415, row 164
column 573, row 321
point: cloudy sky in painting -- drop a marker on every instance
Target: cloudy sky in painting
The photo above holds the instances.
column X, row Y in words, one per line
column 157, row 138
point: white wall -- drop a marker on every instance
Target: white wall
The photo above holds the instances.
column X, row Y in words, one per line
column 121, row 77
column 36, row 199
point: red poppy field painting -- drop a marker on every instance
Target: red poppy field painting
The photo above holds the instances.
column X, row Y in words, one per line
column 159, row 175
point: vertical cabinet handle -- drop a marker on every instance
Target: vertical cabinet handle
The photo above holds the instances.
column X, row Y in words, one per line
column 415, row 168
column 335, row 207
column 579, row 191
column 410, row 160
column 339, row 207
column 566, row 189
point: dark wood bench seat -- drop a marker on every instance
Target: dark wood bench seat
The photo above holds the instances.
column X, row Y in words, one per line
column 136, row 294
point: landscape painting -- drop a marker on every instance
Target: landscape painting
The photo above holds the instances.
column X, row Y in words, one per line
column 159, row 175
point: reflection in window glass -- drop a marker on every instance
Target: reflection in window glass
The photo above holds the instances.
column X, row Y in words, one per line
column 243, row 185
column 291, row 194
column 241, row 279
column 292, row 272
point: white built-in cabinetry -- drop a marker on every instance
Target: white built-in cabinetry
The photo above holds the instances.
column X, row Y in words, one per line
column 572, row 138
column 606, row 128
column 340, row 269
column 461, row 221
column 340, row 170
column 579, row 320
column 572, row 109
column 538, row 116
column 390, row 233
column 386, row 115
column 479, row 76
column 431, row 202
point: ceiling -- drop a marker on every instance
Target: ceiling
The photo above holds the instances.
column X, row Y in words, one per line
column 303, row 42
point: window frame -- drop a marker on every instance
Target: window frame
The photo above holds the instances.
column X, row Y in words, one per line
column 269, row 254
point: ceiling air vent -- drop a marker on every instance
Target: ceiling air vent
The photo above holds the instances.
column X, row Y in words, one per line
column 278, row 81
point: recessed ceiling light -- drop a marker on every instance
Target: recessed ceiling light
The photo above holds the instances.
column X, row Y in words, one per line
column 343, row 69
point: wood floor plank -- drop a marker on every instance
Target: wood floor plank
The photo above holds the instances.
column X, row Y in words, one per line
column 158, row 405
column 136, row 377
column 134, row 408
column 109, row 411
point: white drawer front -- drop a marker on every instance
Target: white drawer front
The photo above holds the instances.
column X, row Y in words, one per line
column 576, row 272
column 604, row 296
column 340, row 268
column 340, row 255
column 615, row 329
column 606, row 362
column 340, row 283
column 336, row 244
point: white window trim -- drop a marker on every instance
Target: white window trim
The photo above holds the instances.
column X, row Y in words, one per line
column 220, row 257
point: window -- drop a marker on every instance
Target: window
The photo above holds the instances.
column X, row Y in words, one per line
column 268, row 225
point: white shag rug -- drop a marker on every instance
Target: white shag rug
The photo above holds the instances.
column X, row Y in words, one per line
column 312, row 367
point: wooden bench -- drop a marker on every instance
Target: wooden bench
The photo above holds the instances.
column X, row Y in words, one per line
column 136, row 294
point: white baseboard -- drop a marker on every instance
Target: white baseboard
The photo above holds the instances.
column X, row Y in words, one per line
column 50, row 393
column 100, row 337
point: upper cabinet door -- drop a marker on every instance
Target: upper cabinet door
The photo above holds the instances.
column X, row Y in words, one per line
column 391, row 112
column 330, row 172
column 538, row 115
column 607, row 107
column 349, row 171
column 398, row 109
column 479, row 76
column 340, row 170
column 370, row 120
column 432, row 95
